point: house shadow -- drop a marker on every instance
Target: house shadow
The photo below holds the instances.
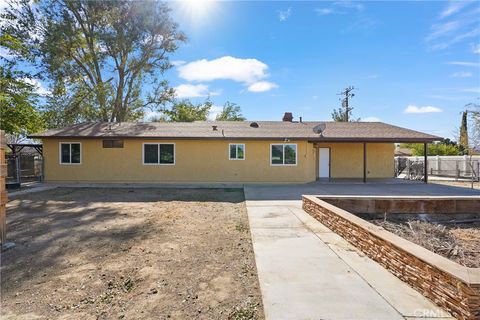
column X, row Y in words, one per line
column 152, row 193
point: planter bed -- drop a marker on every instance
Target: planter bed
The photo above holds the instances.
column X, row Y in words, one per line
column 459, row 242
column 450, row 285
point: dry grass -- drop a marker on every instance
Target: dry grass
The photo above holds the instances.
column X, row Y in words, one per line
column 459, row 243
column 130, row 254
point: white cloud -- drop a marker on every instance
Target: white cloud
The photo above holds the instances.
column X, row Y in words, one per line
column 340, row 7
column 150, row 115
column 193, row 91
column 452, row 8
column 177, row 63
column 370, row 119
column 262, row 86
column 350, row 5
column 462, row 25
column 283, row 15
column 464, row 63
column 476, row 48
column 462, row 74
column 40, row 89
column 249, row 72
column 214, row 111
column 425, row 109
column 472, row 90
column 324, row 11
column 224, row 68
column 442, row 29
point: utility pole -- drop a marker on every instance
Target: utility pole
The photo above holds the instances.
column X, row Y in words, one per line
column 347, row 92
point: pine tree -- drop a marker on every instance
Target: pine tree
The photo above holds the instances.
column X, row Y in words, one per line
column 463, row 140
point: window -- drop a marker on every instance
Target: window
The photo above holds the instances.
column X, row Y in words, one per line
column 70, row 153
column 113, row 143
column 159, row 153
column 283, row 154
column 236, row 152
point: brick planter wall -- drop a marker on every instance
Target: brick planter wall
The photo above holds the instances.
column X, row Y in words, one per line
column 450, row 285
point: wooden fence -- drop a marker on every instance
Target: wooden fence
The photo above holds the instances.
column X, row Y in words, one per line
column 3, row 191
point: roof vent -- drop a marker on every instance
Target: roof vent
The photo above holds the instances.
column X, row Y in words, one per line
column 254, row 125
column 214, row 128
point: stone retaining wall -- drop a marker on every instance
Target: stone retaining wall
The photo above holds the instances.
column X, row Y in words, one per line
column 430, row 205
column 450, row 285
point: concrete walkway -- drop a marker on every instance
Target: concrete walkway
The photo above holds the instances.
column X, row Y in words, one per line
column 308, row 272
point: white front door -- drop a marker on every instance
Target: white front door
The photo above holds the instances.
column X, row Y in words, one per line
column 324, row 162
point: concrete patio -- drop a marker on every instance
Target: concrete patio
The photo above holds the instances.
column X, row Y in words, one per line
column 306, row 271
column 379, row 187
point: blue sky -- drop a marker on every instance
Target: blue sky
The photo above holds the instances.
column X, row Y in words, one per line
column 415, row 64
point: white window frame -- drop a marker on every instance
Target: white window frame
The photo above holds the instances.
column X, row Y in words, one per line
column 159, row 144
column 283, row 146
column 236, row 151
column 60, row 153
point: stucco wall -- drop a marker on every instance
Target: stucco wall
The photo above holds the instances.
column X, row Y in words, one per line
column 207, row 161
column 346, row 160
column 195, row 161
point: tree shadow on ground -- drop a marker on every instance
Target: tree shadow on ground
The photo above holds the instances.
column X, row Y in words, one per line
column 47, row 227
column 46, row 234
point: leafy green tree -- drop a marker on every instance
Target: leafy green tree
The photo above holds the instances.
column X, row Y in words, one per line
column 105, row 59
column 18, row 98
column 230, row 112
column 18, row 116
column 186, row 111
column 445, row 148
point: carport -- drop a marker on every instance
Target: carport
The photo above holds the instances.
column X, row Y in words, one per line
column 324, row 142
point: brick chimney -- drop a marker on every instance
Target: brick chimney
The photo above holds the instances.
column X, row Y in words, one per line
column 287, row 117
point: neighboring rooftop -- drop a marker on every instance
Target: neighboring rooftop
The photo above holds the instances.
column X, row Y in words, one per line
column 275, row 130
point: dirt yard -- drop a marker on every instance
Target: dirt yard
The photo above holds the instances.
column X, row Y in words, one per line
column 129, row 254
column 457, row 242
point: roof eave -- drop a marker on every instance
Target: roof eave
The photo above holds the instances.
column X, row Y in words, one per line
column 309, row 139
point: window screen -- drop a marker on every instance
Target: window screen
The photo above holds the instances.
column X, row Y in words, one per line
column 70, row 153
column 283, row 154
column 159, row 153
column 236, row 151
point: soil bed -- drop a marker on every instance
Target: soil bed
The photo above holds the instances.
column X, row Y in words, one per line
column 457, row 242
column 129, row 254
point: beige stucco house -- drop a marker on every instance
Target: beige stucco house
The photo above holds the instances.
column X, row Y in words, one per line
column 227, row 152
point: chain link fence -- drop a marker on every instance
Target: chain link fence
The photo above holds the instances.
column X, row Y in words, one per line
column 24, row 168
column 454, row 167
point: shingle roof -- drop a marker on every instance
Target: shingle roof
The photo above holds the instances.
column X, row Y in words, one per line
column 334, row 131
